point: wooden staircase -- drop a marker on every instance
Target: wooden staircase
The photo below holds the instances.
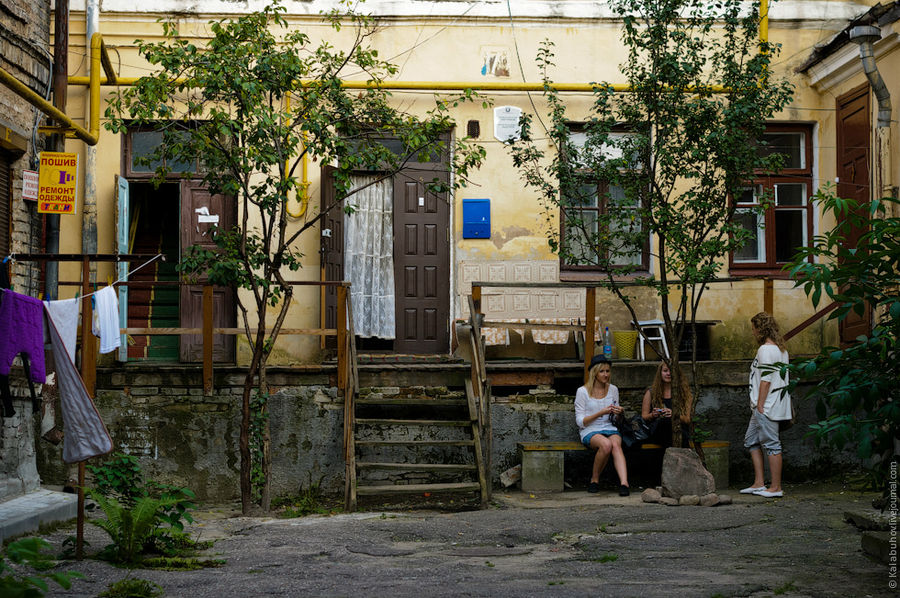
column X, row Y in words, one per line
column 418, row 441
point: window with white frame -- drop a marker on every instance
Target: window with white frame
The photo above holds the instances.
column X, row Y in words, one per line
column 587, row 204
column 775, row 209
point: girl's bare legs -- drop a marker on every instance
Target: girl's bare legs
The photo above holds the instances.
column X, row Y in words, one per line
column 758, row 472
column 619, row 459
column 603, row 446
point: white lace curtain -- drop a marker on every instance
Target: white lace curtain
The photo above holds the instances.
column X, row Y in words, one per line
column 369, row 257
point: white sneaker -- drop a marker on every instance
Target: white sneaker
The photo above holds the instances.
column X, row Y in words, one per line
column 752, row 489
column 765, row 493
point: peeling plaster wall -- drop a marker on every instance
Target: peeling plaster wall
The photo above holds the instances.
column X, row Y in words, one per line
column 477, row 37
column 186, row 439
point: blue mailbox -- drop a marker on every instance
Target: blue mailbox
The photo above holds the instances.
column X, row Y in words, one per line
column 476, row 218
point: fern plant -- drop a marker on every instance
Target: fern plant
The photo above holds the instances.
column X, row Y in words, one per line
column 131, row 528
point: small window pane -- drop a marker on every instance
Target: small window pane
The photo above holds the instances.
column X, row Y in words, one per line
column 627, row 241
column 753, row 249
column 581, row 228
column 791, row 145
column 143, row 143
column 790, row 233
column 750, row 195
column 790, row 194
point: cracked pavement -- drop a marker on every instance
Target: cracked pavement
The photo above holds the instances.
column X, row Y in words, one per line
column 568, row 544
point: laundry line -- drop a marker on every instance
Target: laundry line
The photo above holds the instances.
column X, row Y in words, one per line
column 77, row 257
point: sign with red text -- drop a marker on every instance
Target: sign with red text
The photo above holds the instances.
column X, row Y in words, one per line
column 58, row 176
column 30, row 185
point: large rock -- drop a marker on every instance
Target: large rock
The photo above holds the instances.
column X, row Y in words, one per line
column 683, row 473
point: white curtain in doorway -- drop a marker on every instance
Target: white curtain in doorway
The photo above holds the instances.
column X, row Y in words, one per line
column 369, row 256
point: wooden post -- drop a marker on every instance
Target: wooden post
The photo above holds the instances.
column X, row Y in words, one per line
column 768, row 295
column 590, row 327
column 476, row 298
column 89, row 376
column 88, row 342
column 341, row 326
column 79, row 526
column 207, row 339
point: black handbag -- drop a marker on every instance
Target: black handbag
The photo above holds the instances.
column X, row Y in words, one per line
column 635, row 430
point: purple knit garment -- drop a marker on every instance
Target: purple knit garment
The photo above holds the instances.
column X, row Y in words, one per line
column 22, row 331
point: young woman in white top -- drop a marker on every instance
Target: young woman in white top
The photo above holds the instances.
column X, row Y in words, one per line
column 770, row 403
column 596, row 405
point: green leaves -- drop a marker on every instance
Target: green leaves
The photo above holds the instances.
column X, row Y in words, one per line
column 858, row 399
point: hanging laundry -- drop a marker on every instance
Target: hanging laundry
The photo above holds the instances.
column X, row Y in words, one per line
column 85, row 435
column 106, row 319
column 64, row 315
column 22, row 331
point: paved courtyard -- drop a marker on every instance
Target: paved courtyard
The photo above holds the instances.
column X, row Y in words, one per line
column 569, row 544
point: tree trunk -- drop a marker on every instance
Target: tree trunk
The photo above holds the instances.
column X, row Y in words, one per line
column 266, row 494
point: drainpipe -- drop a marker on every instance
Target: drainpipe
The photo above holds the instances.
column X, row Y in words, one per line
column 866, row 36
column 58, row 142
column 89, row 199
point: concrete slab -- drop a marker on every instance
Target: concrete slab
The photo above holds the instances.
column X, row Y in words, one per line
column 26, row 513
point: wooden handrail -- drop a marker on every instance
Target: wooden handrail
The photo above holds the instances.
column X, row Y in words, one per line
column 811, row 320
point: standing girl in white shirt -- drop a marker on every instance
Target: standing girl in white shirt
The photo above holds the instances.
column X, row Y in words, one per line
column 769, row 402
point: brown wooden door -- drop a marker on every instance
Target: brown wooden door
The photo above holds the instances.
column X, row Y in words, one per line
column 332, row 248
column 853, row 134
column 421, row 263
column 195, row 230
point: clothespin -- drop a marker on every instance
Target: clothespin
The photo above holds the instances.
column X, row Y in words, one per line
column 9, row 257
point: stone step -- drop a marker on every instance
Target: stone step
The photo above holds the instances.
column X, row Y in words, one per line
column 410, row 401
column 432, row 467
column 412, row 422
column 416, row 443
column 418, row 488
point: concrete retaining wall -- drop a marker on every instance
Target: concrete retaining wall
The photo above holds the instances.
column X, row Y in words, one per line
column 187, row 439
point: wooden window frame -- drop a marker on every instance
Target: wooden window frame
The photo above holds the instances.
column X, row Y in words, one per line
column 589, row 272
column 128, row 158
column 770, row 266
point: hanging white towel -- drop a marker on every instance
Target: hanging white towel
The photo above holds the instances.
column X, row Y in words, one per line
column 85, row 436
column 64, row 315
column 106, row 319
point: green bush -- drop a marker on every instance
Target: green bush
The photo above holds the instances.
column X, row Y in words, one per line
column 858, row 398
column 29, row 552
column 141, row 515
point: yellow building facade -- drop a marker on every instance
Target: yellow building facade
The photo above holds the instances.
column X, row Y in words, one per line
column 478, row 44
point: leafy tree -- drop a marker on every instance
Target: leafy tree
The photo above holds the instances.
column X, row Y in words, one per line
column 251, row 103
column 858, row 398
column 663, row 160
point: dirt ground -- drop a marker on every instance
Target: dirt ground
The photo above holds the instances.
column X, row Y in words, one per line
column 566, row 544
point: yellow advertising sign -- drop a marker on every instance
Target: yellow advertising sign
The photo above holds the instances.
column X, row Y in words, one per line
column 58, row 179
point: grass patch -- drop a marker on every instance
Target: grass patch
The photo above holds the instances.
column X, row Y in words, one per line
column 788, row 587
column 609, row 557
column 308, row 501
column 179, row 563
column 132, row 587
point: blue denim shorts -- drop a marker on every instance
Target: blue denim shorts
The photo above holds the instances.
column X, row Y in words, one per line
column 763, row 432
column 587, row 439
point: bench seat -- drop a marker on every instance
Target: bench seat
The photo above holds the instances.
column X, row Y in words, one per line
column 542, row 463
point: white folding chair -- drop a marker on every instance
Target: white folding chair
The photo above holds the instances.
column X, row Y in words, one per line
column 655, row 330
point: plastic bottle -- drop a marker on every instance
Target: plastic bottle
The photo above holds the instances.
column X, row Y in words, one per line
column 607, row 345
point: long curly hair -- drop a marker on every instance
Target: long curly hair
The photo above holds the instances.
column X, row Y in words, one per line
column 767, row 328
column 656, row 390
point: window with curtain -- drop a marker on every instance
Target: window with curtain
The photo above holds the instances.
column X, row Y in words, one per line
column 369, row 256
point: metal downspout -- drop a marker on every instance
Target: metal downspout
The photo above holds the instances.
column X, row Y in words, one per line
column 866, row 36
column 89, row 195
